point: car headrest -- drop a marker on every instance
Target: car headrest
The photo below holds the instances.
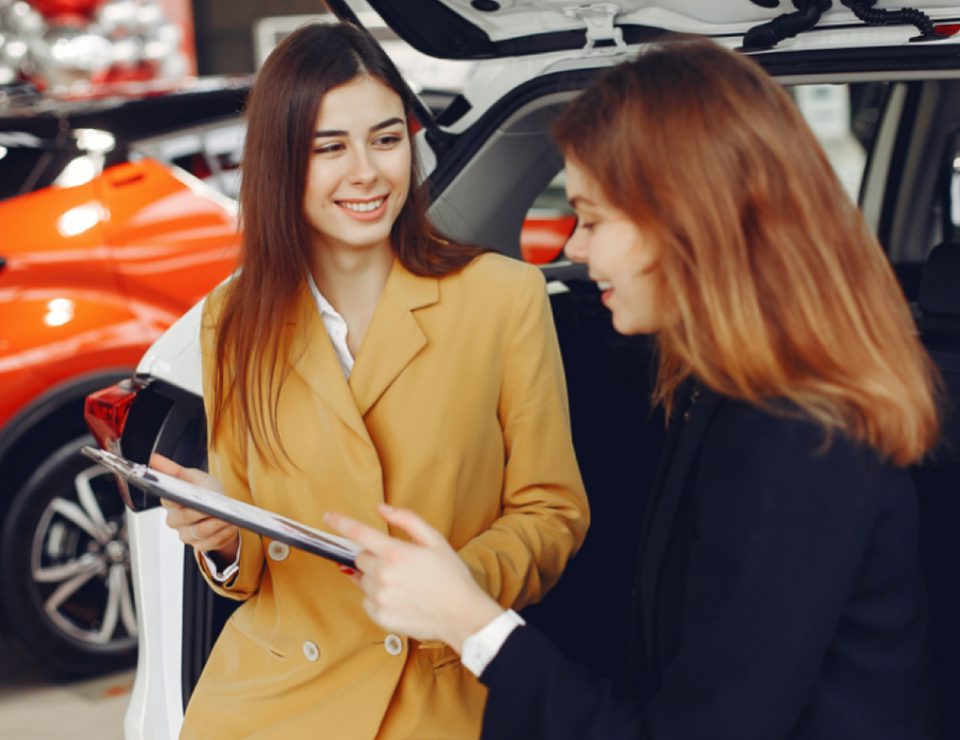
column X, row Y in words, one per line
column 940, row 285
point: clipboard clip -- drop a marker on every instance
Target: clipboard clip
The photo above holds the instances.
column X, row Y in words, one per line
column 121, row 468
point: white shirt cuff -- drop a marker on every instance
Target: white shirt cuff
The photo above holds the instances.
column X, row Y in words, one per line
column 222, row 576
column 482, row 646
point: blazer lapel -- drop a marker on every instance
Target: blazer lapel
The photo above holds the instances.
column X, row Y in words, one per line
column 394, row 337
column 659, row 522
column 313, row 357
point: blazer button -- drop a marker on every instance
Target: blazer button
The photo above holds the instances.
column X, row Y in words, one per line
column 310, row 651
column 393, row 645
column 278, row 550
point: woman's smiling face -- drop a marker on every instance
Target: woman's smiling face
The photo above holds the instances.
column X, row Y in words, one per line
column 620, row 257
column 358, row 177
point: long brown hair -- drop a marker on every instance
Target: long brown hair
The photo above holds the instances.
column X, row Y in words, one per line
column 281, row 117
column 773, row 285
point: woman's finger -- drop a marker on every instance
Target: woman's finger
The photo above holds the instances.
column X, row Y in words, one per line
column 209, row 527
column 366, row 562
column 166, row 465
column 215, row 542
column 182, row 517
column 202, row 532
column 369, row 608
column 367, row 537
column 411, row 523
column 191, row 475
column 370, row 586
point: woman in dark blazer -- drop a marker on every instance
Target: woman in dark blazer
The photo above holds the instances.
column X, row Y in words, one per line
column 778, row 592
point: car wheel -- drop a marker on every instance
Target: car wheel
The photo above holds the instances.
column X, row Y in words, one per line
column 67, row 595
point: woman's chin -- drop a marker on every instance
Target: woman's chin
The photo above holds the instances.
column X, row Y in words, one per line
column 631, row 325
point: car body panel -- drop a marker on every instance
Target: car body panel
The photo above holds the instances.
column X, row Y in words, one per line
column 96, row 272
column 175, row 356
column 172, row 237
column 157, row 588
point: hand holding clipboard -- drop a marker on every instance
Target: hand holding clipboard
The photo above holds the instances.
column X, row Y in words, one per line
column 220, row 506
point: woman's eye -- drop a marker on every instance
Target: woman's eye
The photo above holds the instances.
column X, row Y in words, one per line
column 388, row 140
column 328, row 148
column 583, row 224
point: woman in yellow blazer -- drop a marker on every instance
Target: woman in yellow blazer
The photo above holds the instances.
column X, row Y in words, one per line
column 359, row 359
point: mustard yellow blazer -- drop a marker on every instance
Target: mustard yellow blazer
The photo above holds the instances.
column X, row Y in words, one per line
column 456, row 408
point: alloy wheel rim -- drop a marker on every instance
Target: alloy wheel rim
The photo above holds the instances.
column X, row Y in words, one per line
column 80, row 564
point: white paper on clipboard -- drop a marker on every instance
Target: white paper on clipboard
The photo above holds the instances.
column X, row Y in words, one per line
column 216, row 504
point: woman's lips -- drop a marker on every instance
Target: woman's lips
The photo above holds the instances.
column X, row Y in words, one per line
column 606, row 291
column 361, row 211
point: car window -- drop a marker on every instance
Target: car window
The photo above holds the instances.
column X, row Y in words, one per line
column 843, row 117
column 829, row 111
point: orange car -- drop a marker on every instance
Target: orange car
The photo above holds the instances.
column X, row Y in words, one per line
column 134, row 226
column 123, row 217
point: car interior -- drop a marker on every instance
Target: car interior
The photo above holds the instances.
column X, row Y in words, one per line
column 910, row 194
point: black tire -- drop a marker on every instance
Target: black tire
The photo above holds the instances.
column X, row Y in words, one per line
column 65, row 588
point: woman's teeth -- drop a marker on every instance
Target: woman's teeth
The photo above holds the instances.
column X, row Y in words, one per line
column 371, row 205
column 604, row 285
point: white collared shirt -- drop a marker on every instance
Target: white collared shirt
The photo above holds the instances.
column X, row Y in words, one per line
column 336, row 327
column 483, row 645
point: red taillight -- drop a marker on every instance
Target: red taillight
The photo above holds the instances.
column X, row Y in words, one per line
column 543, row 238
column 105, row 412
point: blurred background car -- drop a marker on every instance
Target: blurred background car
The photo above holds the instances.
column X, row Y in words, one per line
column 125, row 220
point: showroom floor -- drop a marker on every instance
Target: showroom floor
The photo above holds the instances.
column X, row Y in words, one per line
column 33, row 708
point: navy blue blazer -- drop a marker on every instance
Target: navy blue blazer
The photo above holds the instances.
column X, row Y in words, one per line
column 778, row 595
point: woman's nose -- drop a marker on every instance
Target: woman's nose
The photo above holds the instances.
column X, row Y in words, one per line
column 576, row 247
column 362, row 170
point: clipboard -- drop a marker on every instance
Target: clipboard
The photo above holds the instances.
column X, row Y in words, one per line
column 215, row 504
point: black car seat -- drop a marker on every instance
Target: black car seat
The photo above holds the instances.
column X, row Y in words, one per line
column 938, row 479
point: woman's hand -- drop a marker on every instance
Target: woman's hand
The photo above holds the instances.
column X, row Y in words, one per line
column 422, row 588
column 215, row 537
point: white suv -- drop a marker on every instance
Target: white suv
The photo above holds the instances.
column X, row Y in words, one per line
column 881, row 87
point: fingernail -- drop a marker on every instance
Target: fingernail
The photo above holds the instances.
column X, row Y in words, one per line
column 387, row 508
column 347, row 571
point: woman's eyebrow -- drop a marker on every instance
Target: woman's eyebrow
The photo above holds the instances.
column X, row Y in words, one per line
column 579, row 200
column 375, row 127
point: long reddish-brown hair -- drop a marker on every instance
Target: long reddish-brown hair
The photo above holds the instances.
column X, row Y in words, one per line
column 274, row 260
column 772, row 285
